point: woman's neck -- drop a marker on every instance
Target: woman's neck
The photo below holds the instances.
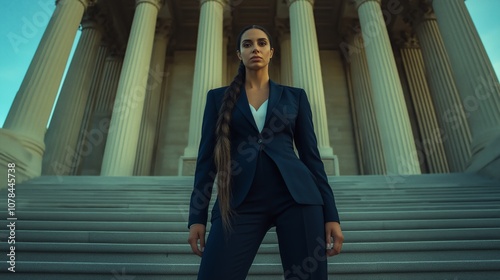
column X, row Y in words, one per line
column 256, row 79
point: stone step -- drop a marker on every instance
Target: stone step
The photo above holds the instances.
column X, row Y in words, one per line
column 181, row 216
column 170, row 186
column 182, row 227
column 181, row 237
column 349, row 247
column 261, row 258
column 488, row 198
column 439, row 226
column 337, row 270
column 124, row 275
column 176, row 207
column 185, row 180
column 344, row 194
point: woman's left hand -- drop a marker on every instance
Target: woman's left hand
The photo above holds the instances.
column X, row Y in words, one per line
column 333, row 230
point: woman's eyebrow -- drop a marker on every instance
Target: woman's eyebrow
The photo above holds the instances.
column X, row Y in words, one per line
column 250, row 40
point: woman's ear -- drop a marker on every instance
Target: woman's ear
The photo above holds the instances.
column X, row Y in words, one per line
column 238, row 54
column 272, row 52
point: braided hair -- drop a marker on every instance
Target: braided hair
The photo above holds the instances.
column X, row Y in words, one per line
column 222, row 152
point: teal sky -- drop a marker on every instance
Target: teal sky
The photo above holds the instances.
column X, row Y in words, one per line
column 24, row 21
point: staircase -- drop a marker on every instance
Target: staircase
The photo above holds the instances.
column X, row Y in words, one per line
column 444, row 226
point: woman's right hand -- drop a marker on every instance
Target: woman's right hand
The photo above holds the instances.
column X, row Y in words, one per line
column 197, row 232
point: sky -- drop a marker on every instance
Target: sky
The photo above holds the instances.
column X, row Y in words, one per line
column 22, row 23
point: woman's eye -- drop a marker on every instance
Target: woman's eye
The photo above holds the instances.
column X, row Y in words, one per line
column 262, row 43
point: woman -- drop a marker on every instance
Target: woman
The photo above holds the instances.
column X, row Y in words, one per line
column 247, row 140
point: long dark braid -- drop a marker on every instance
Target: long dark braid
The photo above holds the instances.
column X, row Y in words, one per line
column 223, row 146
column 222, row 152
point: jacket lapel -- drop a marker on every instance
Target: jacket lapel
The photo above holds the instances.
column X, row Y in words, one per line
column 275, row 91
column 243, row 105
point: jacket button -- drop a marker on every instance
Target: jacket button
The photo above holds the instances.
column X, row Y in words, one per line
column 260, row 141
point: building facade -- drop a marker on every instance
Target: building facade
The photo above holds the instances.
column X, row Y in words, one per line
column 396, row 86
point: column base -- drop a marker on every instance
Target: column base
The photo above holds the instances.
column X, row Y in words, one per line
column 330, row 161
column 487, row 161
column 331, row 164
column 187, row 166
column 25, row 152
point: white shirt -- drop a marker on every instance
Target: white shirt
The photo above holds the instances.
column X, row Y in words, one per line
column 259, row 115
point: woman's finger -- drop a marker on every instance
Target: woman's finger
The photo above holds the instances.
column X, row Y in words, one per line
column 193, row 242
column 202, row 241
column 334, row 238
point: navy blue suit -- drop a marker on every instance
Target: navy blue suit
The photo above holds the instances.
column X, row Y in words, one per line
column 288, row 119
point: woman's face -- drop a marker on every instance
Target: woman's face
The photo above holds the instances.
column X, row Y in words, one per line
column 255, row 49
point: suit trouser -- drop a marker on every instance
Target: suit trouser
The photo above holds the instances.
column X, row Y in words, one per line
column 299, row 229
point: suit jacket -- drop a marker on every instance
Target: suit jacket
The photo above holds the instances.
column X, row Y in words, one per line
column 288, row 119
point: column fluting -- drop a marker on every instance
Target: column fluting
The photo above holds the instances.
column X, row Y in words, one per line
column 285, row 40
column 62, row 136
column 432, row 141
column 307, row 67
column 89, row 107
column 473, row 71
column 392, row 116
column 145, row 148
column 96, row 133
column 26, row 123
column 123, row 135
column 373, row 155
column 455, row 132
column 207, row 74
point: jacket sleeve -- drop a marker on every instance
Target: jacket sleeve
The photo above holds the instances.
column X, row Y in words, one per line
column 205, row 166
column 307, row 147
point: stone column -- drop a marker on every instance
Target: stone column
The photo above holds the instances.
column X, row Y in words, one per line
column 145, row 148
column 373, row 155
column 432, row 140
column 89, row 107
column 392, row 115
column 207, row 75
column 96, row 133
column 62, row 136
column 285, row 51
column 307, row 73
column 454, row 128
column 159, row 152
column 123, row 136
column 25, row 126
column 475, row 78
